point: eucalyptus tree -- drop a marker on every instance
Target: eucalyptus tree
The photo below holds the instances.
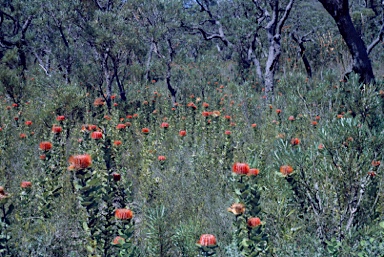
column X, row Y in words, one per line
column 15, row 21
column 252, row 29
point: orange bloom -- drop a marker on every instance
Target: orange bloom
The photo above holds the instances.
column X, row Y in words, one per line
column 78, row 162
column 57, row 129
column 314, row 123
column 237, row 208
column 254, row 125
column 207, row 240
column 28, row 123
column 45, row 146
column 117, row 142
column 286, row 170
column 216, row 113
column 205, row 105
column 192, row 105
column 182, row 133
column 227, row 117
column 118, row 240
column 145, row 130
column 240, row 168
column 164, row 125
column 295, row 141
column 129, row 116
column 254, row 222
column 253, row 172
column 60, row 118
column 121, row 126
column 96, row 135
column 123, row 214
column 99, row 102
column 26, row 184
column 92, row 127
column 206, row 114
column 22, row 135
column 375, row 163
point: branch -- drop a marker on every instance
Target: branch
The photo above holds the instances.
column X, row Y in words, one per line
column 287, row 10
column 377, row 40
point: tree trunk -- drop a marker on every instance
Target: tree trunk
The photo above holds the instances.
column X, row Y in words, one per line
column 361, row 64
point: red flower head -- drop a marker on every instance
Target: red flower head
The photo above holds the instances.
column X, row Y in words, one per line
column 278, row 111
column 22, row 135
column 164, row 125
column 192, row 105
column 314, row 123
column 254, row 125
column 96, row 135
column 123, row 214
column 206, row 114
column 286, row 170
column 205, row 105
column 117, row 142
column 237, row 209
column 26, row 184
column 161, row 158
column 118, row 240
column 182, row 133
column 60, row 118
column 207, row 240
column 129, row 116
column 56, row 129
column 295, row 141
column 28, row 123
column 45, row 146
column 240, row 168
column 253, row 172
column 254, row 222
column 15, row 105
column 121, row 126
column 145, row 130
column 113, row 97
column 227, row 132
column 375, row 163
column 227, row 117
column 291, row 118
column 116, row 176
column 98, row 102
column 78, row 162
column 92, row 127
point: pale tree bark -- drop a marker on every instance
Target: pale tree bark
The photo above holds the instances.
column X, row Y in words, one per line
column 271, row 18
column 361, row 64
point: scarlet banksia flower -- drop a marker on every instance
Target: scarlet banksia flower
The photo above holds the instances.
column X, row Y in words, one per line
column 116, row 176
column 78, row 162
column 286, row 170
column 60, row 118
column 98, row 102
column 375, row 163
column 295, row 141
column 164, row 125
column 253, row 222
column 118, row 240
column 56, row 129
column 96, row 135
column 240, row 168
column 145, row 130
column 45, row 146
column 123, row 214
column 207, row 240
column 28, row 123
column 237, row 208
column 253, row 172
column 121, row 126
column 26, row 184
column 117, row 142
